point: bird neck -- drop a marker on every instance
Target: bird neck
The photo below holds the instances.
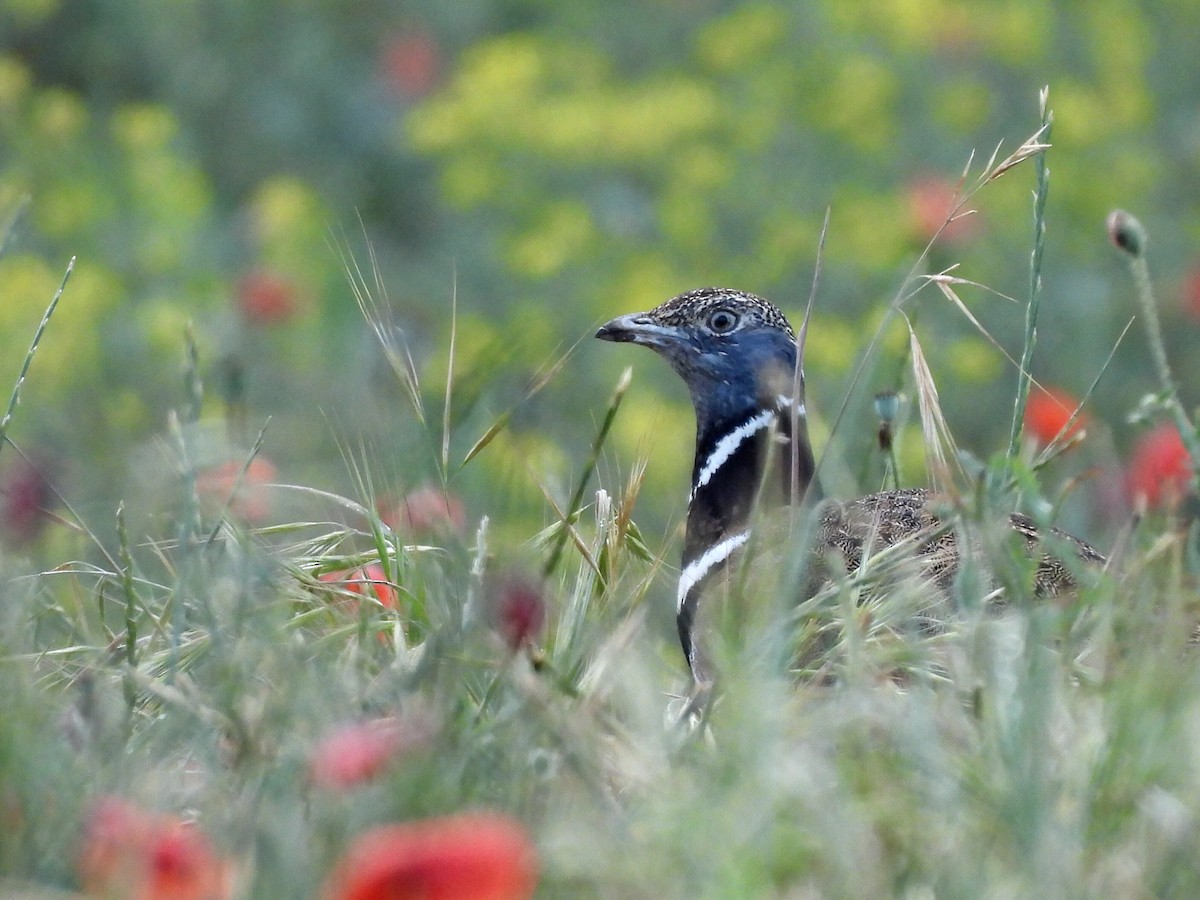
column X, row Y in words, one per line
column 758, row 455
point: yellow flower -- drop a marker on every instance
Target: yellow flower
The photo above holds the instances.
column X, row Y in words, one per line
column 14, row 82
column 143, row 127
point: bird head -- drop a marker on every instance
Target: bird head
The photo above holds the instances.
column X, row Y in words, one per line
column 734, row 351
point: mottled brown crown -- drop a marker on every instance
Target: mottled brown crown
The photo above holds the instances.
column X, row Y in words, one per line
column 695, row 306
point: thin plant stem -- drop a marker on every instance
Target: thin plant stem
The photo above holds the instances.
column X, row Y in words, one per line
column 589, row 467
column 1140, row 270
column 131, row 611
column 1035, row 283
column 15, row 397
column 445, row 459
column 798, row 377
column 1127, row 233
column 1145, row 292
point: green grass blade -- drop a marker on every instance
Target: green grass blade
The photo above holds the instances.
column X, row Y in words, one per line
column 589, row 467
column 15, row 398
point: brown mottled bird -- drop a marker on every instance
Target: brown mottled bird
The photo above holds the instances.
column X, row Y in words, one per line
column 737, row 354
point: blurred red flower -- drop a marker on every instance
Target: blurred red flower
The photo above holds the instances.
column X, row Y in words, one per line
column 425, row 510
column 130, row 853
column 931, row 201
column 480, row 856
column 410, row 63
column 1047, row 413
column 369, row 580
column 216, row 486
column 265, row 298
column 356, row 753
column 518, row 610
column 26, row 496
column 1189, row 293
column 1160, row 469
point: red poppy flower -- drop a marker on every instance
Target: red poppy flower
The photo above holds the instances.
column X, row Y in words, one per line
column 1047, row 413
column 26, row 496
column 480, row 856
column 356, row 753
column 1190, row 293
column 410, row 63
column 426, row 510
column 265, row 298
column 247, row 493
column 932, row 200
column 128, row 852
column 518, row 610
column 368, row 580
column 1160, row 469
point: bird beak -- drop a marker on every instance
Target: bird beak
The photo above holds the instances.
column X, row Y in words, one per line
column 637, row 328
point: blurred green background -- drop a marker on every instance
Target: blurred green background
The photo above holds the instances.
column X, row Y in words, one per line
column 545, row 166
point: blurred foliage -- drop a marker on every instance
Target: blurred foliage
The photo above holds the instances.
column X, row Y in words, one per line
column 493, row 180
column 549, row 166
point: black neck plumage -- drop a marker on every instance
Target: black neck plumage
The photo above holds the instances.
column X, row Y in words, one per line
column 763, row 457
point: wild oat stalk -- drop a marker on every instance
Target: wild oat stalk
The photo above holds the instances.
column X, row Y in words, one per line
column 1035, row 277
column 940, row 448
column 1032, row 147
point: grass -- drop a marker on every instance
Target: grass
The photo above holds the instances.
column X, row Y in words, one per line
column 1049, row 752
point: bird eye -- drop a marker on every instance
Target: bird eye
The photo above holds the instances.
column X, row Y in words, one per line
column 721, row 321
